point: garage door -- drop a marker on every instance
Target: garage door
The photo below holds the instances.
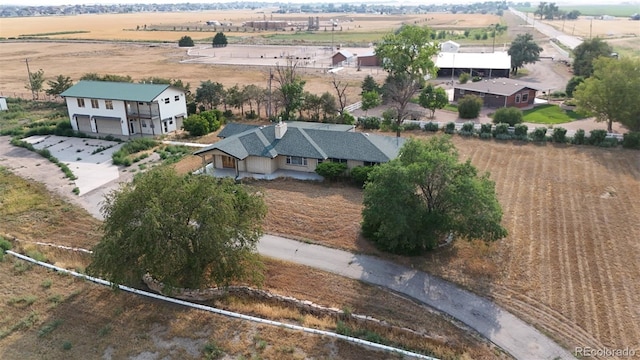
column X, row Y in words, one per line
column 84, row 123
column 108, row 125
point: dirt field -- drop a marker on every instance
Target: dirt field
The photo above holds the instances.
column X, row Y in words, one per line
column 569, row 261
column 585, row 27
column 43, row 310
column 123, row 26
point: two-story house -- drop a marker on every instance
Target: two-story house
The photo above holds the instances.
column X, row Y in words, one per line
column 120, row 108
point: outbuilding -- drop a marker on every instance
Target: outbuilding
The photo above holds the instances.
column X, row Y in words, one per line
column 449, row 47
column 368, row 59
column 121, row 108
column 492, row 65
column 341, row 57
column 3, row 104
column 498, row 93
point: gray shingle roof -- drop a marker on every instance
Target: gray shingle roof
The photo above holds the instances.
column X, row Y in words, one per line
column 501, row 86
column 115, row 90
column 320, row 141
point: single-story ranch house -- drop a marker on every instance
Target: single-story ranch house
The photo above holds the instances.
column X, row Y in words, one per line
column 288, row 148
column 498, row 92
column 120, row 108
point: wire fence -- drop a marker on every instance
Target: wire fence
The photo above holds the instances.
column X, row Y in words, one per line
column 29, row 96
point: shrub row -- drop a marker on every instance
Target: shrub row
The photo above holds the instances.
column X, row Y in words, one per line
column 46, row 154
column 501, row 131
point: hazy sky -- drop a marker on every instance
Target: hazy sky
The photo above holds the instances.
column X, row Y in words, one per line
column 76, row 2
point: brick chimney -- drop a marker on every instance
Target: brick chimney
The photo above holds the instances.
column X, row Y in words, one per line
column 281, row 129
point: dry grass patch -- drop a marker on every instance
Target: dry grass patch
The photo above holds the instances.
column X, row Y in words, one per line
column 571, row 253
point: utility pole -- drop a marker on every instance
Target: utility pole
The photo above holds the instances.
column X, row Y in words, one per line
column 33, row 94
column 590, row 28
column 269, row 97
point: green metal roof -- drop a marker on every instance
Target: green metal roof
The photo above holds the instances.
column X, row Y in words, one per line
column 115, row 90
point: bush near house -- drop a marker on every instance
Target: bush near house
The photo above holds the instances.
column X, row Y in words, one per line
column 501, row 132
column 431, row 126
column 369, row 123
column 509, row 115
column 360, row 174
column 469, row 106
column 578, row 138
column 330, row 170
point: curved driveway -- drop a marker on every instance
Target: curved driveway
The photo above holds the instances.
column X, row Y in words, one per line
column 499, row 326
column 513, row 335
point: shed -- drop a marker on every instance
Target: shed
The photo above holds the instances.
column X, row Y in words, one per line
column 341, row 57
column 3, row 104
column 368, row 59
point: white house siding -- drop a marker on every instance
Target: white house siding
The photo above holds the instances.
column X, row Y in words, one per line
column 260, row 165
column 282, row 164
column 118, row 111
column 169, row 112
column 353, row 163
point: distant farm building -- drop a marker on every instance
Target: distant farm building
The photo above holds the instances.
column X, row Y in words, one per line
column 267, row 24
column 3, row 104
column 368, row 59
column 493, row 65
column 449, row 47
column 498, row 93
column 341, row 57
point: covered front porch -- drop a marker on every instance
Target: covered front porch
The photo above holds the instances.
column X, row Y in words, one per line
column 280, row 173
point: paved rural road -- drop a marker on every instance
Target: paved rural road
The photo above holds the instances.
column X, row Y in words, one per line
column 569, row 41
column 516, row 337
column 499, row 326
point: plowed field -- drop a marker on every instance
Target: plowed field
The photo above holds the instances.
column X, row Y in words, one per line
column 570, row 262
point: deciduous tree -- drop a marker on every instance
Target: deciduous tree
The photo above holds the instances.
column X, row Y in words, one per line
column 425, row 195
column 612, row 93
column 210, row 94
column 408, row 58
column 370, row 99
column 186, row 231
column 433, row 98
column 36, row 79
column 290, row 87
column 523, row 51
column 585, row 53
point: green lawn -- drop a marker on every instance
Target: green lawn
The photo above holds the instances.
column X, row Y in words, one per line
column 550, row 114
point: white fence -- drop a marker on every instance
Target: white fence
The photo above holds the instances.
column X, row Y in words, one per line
column 227, row 313
column 353, row 107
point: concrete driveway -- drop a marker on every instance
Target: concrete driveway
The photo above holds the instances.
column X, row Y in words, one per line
column 89, row 159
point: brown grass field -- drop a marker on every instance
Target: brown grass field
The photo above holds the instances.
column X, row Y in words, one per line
column 123, row 26
column 95, row 320
column 598, row 28
column 569, row 263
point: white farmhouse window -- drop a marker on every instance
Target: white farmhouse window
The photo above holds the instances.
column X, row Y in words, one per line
column 177, row 98
column 80, row 102
column 95, row 104
column 525, row 97
column 167, row 100
column 296, row 160
column 108, row 104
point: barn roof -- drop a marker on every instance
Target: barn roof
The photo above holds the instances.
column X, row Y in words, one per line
column 495, row 60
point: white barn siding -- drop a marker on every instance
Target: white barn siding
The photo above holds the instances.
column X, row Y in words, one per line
column 171, row 109
column 118, row 111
